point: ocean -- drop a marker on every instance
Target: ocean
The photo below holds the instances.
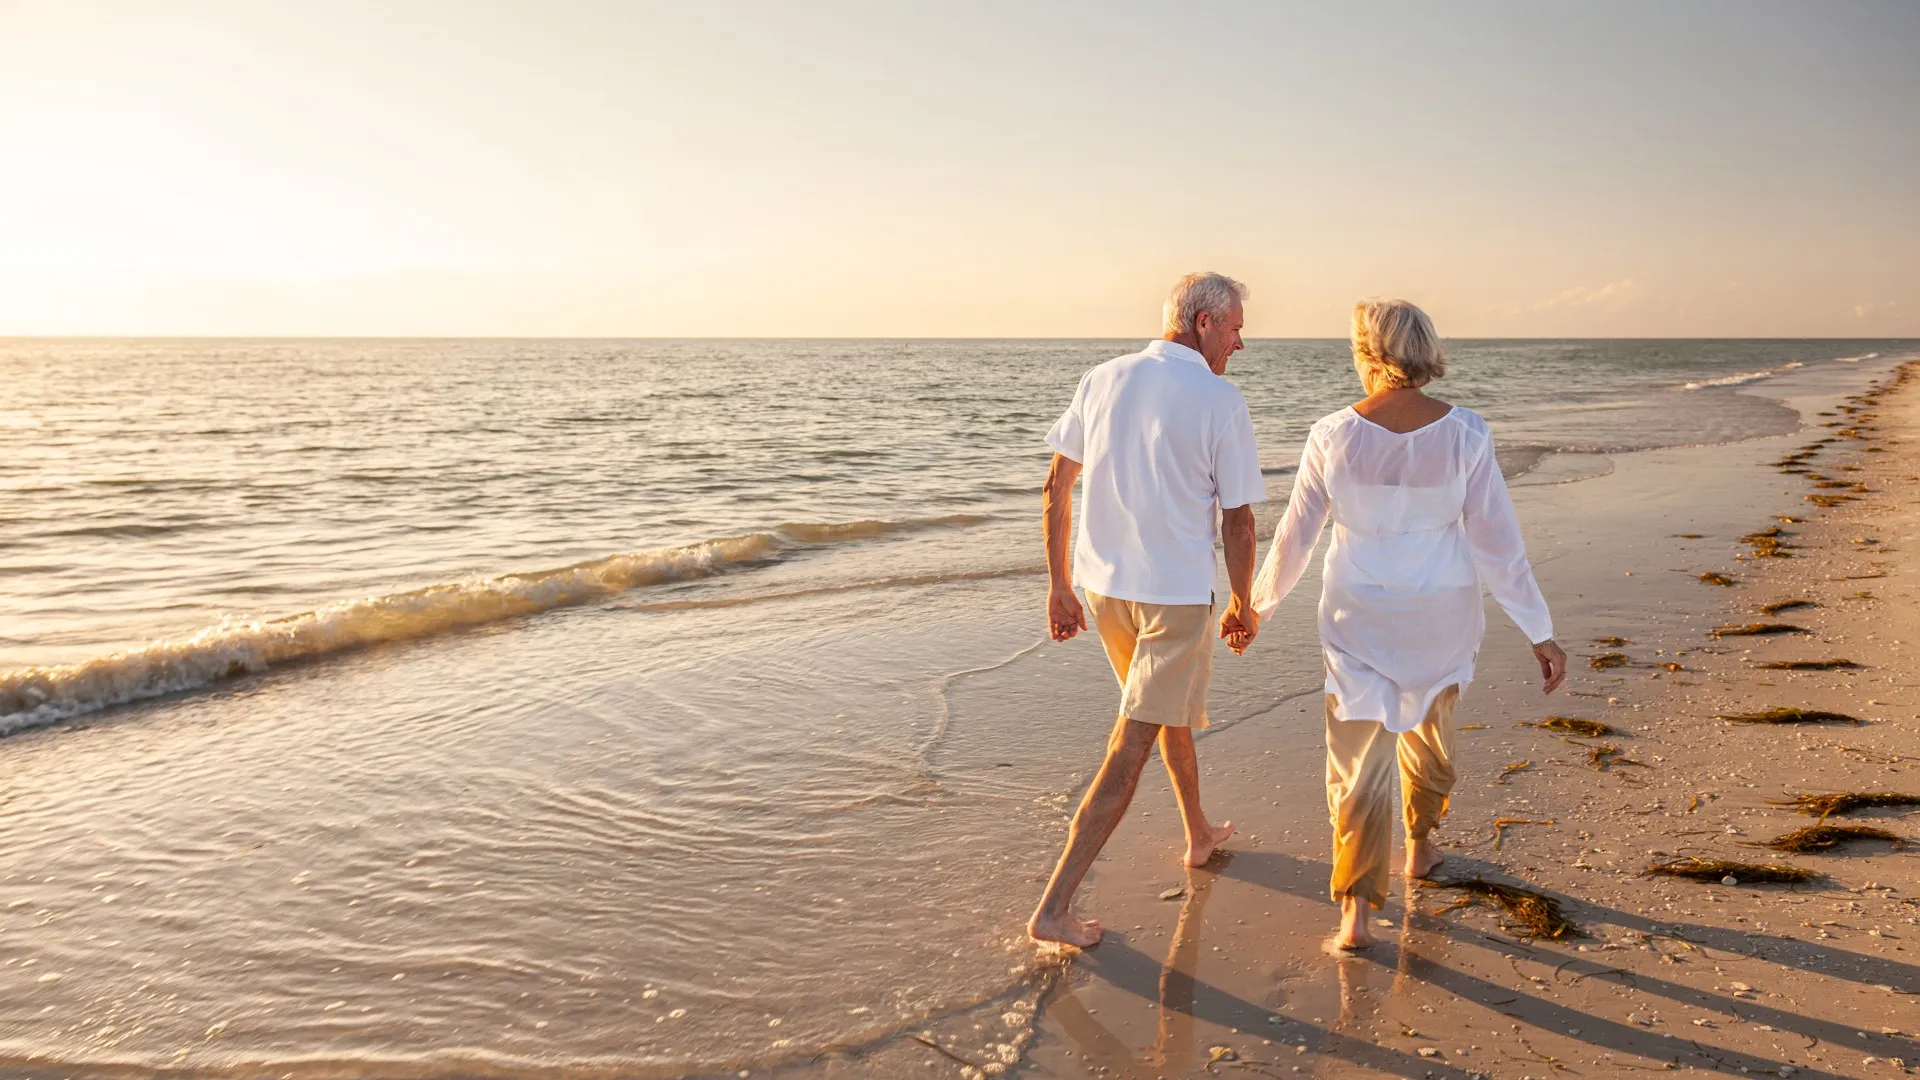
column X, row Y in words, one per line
column 627, row 708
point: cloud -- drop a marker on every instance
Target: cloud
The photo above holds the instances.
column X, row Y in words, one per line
column 1883, row 307
column 1612, row 294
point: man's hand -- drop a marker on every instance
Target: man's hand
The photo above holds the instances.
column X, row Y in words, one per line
column 1239, row 624
column 1065, row 618
column 1553, row 664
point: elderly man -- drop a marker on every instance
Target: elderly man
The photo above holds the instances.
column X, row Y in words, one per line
column 1163, row 440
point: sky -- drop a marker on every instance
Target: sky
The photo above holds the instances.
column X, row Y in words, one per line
column 980, row 169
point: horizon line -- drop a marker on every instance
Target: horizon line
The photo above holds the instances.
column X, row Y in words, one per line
column 883, row 337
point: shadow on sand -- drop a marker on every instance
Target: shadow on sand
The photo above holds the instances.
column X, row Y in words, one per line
column 1413, row 960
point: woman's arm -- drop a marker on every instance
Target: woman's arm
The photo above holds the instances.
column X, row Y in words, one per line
column 1299, row 531
column 1499, row 554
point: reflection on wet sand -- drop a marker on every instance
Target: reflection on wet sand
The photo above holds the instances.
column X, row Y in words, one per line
column 1172, row 1048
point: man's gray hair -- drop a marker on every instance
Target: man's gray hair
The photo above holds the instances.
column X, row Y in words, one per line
column 1212, row 293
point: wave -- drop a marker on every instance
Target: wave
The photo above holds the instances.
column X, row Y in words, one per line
column 1856, row 359
column 1730, row 380
column 38, row 696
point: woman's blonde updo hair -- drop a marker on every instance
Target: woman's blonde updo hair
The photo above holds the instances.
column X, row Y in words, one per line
column 1395, row 346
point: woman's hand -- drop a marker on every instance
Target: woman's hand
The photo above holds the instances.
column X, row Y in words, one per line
column 1553, row 664
column 1238, row 625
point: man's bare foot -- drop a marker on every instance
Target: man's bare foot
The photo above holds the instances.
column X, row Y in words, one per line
column 1354, row 933
column 1423, row 857
column 1064, row 930
column 1199, row 851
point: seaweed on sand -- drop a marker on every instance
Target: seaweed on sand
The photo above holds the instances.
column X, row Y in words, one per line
column 1524, row 913
column 1808, row 665
column 1758, row 629
column 1791, row 716
column 1518, row 766
column 1846, row 802
column 1779, row 606
column 1602, row 757
column 1572, row 725
column 1608, row 660
column 1712, row 578
column 1815, row 838
column 1829, row 500
column 1611, row 642
column 1721, row 869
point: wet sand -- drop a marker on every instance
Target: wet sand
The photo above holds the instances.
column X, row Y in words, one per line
column 1228, row 975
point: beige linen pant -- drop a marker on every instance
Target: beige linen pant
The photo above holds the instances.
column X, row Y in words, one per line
column 1360, row 764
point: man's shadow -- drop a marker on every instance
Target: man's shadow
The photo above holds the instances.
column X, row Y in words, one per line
column 1182, row 998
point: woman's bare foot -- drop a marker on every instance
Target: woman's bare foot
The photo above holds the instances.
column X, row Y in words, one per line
column 1354, row 933
column 1199, row 851
column 1064, row 930
column 1423, row 857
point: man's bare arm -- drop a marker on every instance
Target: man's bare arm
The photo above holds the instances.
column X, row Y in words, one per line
column 1239, row 623
column 1064, row 615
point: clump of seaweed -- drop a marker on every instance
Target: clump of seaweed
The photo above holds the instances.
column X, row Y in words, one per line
column 1758, row 629
column 1608, row 660
column 1829, row 500
column 1670, row 665
column 1719, row 870
column 1815, row 838
column 1601, row 757
column 1524, row 913
column 1518, row 766
column 1779, row 606
column 1808, row 665
column 1572, row 725
column 1846, row 802
column 1611, row 642
column 1791, row 716
column 1712, row 578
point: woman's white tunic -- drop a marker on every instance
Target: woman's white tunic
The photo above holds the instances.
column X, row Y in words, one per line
column 1421, row 521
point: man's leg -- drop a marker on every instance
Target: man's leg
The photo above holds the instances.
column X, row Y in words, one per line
column 1106, row 800
column 1426, row 781
column 1183, row 768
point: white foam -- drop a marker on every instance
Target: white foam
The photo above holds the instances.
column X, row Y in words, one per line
column 1730, row 380
column 1856, row 359
column 35, row 697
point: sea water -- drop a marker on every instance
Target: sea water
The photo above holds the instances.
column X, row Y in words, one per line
column 623, row 707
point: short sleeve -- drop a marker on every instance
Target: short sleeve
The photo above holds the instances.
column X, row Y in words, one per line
column 1068, row 436
column 1237, row 480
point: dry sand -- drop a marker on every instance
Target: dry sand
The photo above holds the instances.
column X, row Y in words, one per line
column 1229, row 977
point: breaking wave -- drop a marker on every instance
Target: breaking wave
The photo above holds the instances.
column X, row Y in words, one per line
column 1856, row 359
column 1730, row 380
column 38, row 696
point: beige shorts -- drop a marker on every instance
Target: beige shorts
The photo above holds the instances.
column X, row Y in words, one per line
column 1161, row 653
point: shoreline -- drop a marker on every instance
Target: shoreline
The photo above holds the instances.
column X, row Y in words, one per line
column 1227, row 975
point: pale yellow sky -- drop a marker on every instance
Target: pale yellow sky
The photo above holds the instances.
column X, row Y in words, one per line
column 613, row 169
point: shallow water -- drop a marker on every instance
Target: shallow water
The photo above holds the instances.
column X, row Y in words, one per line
column 637, row 707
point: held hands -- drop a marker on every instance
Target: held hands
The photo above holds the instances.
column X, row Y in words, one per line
column 1064, row 615
column 1238, row 624
column 1553, row 664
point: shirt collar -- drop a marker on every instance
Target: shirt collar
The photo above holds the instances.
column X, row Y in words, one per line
column 1173, row 350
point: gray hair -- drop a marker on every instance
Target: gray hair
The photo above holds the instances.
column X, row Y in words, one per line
column 1212, row 293
column 1395, row 343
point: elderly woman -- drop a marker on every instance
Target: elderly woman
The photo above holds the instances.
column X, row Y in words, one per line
column 1421, row 522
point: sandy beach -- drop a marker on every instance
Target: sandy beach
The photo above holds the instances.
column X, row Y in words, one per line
column 1222, row 971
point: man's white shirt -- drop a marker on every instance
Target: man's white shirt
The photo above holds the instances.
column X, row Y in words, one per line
column 1165, row 444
